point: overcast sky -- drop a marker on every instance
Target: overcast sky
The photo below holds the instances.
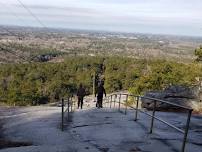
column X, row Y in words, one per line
column 179, row 17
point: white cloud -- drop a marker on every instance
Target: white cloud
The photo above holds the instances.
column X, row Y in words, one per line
column 121, row 14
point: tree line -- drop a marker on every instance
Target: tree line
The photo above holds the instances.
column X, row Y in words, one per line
column 28, row 84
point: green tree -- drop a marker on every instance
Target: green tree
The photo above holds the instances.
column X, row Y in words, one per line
column 198, row 53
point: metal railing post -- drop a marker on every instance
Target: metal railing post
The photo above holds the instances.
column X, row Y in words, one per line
column 153, row 114
column 68, row 108
column 111, row 102
column 186, row 130
column 119, row 102
column 62, row 123
column 74, row 106
column 126, row 106
column 115, row 100
column 136, row 112
column 71, row 104
column 106, row 102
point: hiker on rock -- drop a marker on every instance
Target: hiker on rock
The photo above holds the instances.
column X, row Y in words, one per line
column 80, row 94
column 100, row 91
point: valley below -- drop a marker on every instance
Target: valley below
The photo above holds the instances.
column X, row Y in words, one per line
column 24, row 44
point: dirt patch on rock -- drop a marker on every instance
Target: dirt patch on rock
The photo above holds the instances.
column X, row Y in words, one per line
column 135, row 150
column 8, row 144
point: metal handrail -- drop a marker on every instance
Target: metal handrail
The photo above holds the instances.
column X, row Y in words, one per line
column 155, row 100
column 69, row 109
column 150, row 98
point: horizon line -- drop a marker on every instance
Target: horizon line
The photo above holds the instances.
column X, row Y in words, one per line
column 99, row 31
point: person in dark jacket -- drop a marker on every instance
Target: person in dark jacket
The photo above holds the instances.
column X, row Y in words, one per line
column 80, row 94
column 100, row 92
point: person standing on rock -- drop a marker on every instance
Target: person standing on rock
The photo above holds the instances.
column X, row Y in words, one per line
column 100, row 92
column 80, row 94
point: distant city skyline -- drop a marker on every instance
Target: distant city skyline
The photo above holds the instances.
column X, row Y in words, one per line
column 175, row 17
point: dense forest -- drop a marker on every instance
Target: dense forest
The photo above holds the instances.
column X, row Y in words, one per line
column 31, row 83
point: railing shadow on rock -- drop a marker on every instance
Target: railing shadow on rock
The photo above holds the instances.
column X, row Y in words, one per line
column 112, row 99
